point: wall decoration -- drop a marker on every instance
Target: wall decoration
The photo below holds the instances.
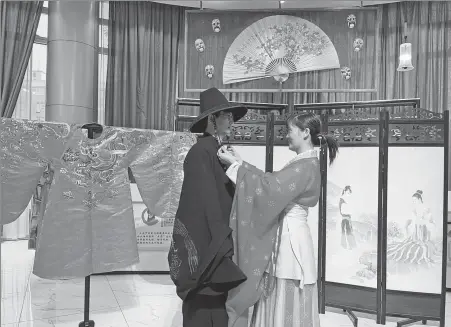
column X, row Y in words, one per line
column 276, row 46
column 352, row 217
column 358, row 44
column 200, row 45
column 284, row 67
column 216, row 25
column 351, row 20
column 414, row 219
column 209, row 71
column 346, row 72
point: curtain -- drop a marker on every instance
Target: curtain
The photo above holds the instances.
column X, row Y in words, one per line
column 427, row 30
column 143, row 42
column 18, row 24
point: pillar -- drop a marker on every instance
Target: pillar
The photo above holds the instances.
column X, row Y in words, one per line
column 72, row 61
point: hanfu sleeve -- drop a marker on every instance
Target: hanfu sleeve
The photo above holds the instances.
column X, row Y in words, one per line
column 259, row 199
column 158, row 171
column 232, row 171
column 270, row 193
column 26, row 149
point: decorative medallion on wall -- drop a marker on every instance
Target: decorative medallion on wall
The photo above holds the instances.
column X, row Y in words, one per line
column 351, row 20
column 358, row 44
column 278, row 46
column 346, row 73
column 200, row 45
column 216, row 25
column 209, row 71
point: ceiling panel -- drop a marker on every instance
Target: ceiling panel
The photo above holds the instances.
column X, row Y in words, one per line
column 272, row 4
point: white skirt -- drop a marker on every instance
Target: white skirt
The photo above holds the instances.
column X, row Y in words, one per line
column 287, row 305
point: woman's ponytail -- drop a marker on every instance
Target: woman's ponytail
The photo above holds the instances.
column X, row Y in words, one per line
column 332, row 145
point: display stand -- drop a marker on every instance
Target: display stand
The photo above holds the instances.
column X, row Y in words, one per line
column 92, row 128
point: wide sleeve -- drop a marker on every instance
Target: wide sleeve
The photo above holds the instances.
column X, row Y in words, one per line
column 268, row 194
column 232, row 171
column 259, row 200
column 158, row 171
column 26, row 149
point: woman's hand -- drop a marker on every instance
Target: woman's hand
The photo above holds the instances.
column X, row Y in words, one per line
column 234, row 152
column 226, row 157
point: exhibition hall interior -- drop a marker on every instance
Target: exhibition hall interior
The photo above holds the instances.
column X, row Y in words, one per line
column 106, row 105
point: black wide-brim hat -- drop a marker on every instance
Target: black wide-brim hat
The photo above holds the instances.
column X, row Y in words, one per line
column 211, row 102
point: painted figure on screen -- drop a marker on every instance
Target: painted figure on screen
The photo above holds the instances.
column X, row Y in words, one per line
column 345, row 206
column 418, row 247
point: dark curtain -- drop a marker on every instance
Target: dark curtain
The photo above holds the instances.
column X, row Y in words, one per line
column 18, row 25
column 147, row 49
column 144, row 40
column 427, row 30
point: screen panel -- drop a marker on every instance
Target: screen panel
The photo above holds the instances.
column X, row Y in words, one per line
column 415, row 219
column 253, row 154
column 352, row 217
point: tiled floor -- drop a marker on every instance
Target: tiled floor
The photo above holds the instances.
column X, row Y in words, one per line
column 116, row 301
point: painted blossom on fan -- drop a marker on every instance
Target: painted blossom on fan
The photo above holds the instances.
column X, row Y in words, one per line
column 200, row 45
column 358, row 44
column 216, row 25
column 277, row 46
column 351, row 20
column 209, row 71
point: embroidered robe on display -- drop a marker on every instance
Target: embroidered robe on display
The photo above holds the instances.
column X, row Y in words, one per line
column 88, row 225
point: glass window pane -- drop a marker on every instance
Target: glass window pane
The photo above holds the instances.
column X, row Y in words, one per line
column 38, row 81
column 31, row 101
column 103, row 36
column 43, row 26
column 104, row 13
column 103, row 64
column 23, row 104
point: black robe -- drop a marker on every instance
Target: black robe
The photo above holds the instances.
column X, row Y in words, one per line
column 200, row 257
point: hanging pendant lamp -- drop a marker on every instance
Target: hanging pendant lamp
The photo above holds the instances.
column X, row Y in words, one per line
column 405, row 56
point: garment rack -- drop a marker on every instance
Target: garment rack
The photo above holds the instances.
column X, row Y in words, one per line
column 86, row 321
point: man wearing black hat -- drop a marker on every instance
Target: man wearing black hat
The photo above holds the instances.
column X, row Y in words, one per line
column 200, row 257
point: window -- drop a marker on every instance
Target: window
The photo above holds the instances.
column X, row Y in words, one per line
column 31, row 101
column 32, row 98
column 103, row 60
column 42, row 31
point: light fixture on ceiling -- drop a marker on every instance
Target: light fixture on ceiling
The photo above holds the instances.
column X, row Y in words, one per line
column 405, row 55
column 281, row 3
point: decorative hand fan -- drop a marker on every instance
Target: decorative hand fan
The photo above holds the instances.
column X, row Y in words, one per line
column 277, row 46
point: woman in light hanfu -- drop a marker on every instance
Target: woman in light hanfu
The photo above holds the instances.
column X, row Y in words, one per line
column 273, row 243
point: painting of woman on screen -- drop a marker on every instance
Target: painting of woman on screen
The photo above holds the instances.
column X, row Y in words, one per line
column 418, row 248
column 345, row 207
